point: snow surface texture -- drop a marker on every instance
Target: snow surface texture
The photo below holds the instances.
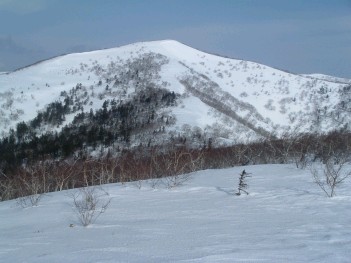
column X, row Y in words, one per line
column 285, row 218
column 244, row 97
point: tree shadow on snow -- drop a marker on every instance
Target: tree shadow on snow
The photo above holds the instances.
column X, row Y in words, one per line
column 227, row 191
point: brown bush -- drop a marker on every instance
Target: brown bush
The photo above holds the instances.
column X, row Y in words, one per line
column 169, row 161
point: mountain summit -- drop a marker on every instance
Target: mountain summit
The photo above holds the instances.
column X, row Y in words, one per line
column 153, row 92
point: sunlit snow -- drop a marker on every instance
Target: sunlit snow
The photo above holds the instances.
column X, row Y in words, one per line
column 285, row 218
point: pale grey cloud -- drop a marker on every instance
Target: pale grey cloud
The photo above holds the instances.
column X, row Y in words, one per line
column 24, row 6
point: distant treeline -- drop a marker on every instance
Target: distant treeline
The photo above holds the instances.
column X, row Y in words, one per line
column 141, row 163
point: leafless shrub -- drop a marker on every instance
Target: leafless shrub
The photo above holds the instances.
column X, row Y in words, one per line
column 138, row 183
column 301, row 160
column 30, row 184
column 301, row 152
column 175, row 180
column 177, row 165
column 29, row 200
column 154, row 182
column 31, row 192
column 62, row 175
column 7, row 188
column 89, row 204
column 332, row 176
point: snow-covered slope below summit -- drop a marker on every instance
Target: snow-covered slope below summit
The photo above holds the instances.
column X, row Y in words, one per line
column 328, row 78
column 221, row 97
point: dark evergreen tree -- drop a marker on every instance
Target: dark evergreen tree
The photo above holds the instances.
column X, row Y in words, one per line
column 242, row 183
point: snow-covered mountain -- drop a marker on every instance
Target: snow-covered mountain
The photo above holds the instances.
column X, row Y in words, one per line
column 227, row 100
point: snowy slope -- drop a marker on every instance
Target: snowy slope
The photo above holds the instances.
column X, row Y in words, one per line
column 285, row 218
column 328, row 78
column 246, row 100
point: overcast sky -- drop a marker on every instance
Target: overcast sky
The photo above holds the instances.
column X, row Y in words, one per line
column 302, row 36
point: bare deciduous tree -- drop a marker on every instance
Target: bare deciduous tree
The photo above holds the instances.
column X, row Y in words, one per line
column 178, row 165
column 89, row 204
column 32, row 186
column 332, row 176
column 27, row 185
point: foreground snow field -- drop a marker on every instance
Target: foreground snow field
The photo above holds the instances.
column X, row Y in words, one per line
column 285, row 218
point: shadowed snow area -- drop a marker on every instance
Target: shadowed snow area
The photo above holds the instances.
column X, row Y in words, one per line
column 285, row 218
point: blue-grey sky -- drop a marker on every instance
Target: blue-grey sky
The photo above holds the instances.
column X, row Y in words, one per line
column 302, row 36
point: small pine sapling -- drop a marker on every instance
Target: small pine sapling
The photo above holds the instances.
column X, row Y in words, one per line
column 242, row 183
